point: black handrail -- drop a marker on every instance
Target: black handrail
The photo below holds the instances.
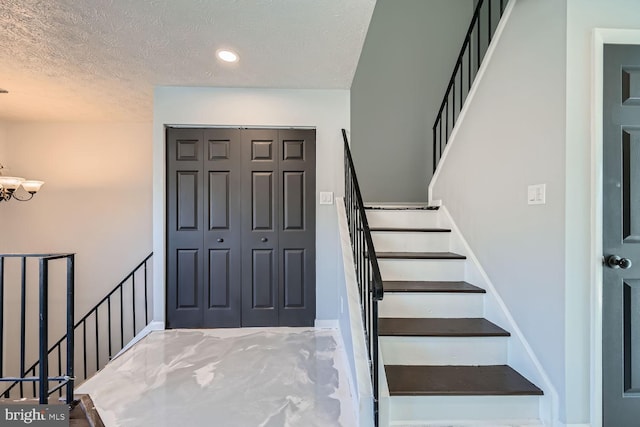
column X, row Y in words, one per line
column 94, row 314
column 368, row 275
column 42, row 379
column 475, row 38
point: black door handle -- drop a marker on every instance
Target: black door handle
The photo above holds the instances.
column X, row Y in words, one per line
column 264, row 239
column 220, row 240
column 614, row 261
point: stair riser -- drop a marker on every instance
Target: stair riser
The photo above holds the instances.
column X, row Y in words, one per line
column 444, row 350
column 411, row 242
column 421, row 269
column 403, row 219
column 409, row 304
column 434, row 408
column 472, row 423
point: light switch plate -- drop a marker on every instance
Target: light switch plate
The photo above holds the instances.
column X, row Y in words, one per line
column 536, row 194
column 326, row 197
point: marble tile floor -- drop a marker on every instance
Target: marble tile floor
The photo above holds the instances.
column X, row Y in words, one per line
column 252, row 377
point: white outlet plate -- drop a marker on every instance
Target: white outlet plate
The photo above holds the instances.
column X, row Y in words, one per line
column 326, row 197
column 536, row 194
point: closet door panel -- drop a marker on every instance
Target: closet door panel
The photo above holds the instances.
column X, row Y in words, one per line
column 222, row 235
column 260, row 185
column 185, row 225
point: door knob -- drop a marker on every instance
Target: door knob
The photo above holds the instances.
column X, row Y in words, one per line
column 614, row 261
column 264, row 239
column 220, row 240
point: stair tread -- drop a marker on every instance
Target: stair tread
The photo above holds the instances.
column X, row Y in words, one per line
column 401, row 208
column 430, row 286
column 493, row 380
column 419, row 255
column 439, row 327
column 409, row 230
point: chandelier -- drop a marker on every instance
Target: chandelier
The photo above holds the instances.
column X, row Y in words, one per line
column 10, row 188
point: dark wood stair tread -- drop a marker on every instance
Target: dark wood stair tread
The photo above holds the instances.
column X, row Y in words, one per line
column 430, row 286
column 409, row 230
column 439, row 327
column 493, row 380
column 419, row 255
column 401, row 208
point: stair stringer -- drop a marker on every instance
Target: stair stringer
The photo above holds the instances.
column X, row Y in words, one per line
column 520, row 355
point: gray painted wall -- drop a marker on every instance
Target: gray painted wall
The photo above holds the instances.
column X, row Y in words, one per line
column 512, row 136
column 405, row 65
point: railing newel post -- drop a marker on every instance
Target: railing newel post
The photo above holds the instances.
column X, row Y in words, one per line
column 71, row 280
column 44, row 332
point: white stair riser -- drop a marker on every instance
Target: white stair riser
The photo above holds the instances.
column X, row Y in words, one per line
column 472, row 423
column 434, row 408
column 416, row 304
column 469, row 351
column 403, row 219
column 385, row 241
column 421, row 269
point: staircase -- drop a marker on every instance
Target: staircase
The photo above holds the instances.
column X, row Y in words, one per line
column 442, row 363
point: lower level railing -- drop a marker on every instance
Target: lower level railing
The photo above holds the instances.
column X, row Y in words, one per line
column 98, row 336
column 366, row 266
column 39, row 378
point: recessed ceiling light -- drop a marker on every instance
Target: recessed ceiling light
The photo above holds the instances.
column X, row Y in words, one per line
column 227, row 55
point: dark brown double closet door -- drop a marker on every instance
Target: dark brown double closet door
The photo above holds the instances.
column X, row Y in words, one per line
column 240, row 227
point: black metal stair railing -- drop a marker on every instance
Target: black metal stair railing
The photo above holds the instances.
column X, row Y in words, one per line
column 486, row 16
column 101, row 333
column 40, row 379
column 366, row 266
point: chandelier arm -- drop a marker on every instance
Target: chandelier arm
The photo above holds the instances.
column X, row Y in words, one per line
column 22, row 200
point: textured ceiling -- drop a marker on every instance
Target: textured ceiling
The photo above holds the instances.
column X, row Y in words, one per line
column 100, row 59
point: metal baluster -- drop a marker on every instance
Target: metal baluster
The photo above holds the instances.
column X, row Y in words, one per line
column 435, row 163
column 84, row 346
column 469, row 64
column 146, row 301
column 109, row 323
column 446, row 128
column 374, row 358
column 33, row 383
column 23, row 309
column 489, row 23
column 133, row 300
column 70, row 325
column 453, row 103
column 478, row 46
column 461, row 82
column 44, row 331
column 97, row 342
column 121, row 318
column 59, row 366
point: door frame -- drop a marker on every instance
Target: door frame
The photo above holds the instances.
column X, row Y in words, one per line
column 601, row 36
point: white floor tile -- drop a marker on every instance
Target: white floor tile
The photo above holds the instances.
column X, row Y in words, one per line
column 258, row 377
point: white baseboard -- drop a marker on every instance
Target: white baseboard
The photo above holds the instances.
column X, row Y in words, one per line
column 327, row 324
column 152, row 326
